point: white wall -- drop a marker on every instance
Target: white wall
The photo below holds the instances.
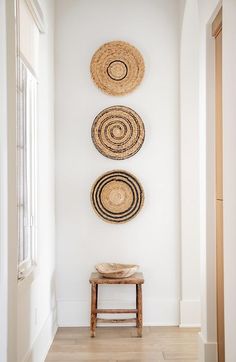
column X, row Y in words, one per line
column 152, row 239
column 3, row 186
column 8, row 216
column 36, row 294
column 189, row 151
column 229, row 131
column 208, row 11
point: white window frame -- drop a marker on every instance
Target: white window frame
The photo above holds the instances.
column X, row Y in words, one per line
column 26, row 169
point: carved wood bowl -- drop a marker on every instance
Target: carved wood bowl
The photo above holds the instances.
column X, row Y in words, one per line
column 116, row 271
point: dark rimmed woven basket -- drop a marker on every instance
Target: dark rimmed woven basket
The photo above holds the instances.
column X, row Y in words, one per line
column 117, row 196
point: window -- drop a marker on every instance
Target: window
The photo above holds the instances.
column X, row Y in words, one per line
column 26, row 164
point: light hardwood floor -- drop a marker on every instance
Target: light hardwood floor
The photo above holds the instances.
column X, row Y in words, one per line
column 121, row 344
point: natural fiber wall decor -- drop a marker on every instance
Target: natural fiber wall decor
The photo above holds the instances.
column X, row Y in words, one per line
column 117, row 196
column 117, row 68
column 118, row 132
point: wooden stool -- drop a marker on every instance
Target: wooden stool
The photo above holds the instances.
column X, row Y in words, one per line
column 97, row 279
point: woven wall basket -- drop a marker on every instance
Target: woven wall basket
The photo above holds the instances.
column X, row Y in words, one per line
column 118, row 132
column 117, row 196
column 117, row 68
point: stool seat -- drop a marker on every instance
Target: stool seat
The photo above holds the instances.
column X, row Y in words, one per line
column 136, row 278
column 95, row 280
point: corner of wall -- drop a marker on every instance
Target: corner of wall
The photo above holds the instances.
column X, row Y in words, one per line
column 207, row 350
column 190, row 313
column 189, row 167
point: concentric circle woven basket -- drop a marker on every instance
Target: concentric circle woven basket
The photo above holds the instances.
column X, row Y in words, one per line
column 118, row 132
column 117, row 196
column 117, row 68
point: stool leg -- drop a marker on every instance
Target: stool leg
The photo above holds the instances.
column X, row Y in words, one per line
column 140, row 312
column 96, row 297
column 93, row 309
column 136, row 305
column 96, row 304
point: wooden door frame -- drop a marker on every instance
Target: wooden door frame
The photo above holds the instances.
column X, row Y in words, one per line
column 208, row 334
column 216, row 33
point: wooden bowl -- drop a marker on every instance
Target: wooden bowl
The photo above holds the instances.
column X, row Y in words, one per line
column 116, row 271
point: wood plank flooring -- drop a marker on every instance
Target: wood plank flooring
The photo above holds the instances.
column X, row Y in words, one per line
column 121, row 344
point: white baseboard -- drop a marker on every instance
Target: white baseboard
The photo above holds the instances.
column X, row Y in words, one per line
column 155, row 312
column 207, row 350
column 190, row 313
column 42, row 343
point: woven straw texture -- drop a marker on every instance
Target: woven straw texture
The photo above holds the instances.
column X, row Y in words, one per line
column 118, row 132
column 117, row 68
column 117, row 196
column 116, row 271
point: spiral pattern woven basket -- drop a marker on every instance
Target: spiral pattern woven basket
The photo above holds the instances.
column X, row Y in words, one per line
column 118, row 132
column 117, row 196
column 117, row 68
